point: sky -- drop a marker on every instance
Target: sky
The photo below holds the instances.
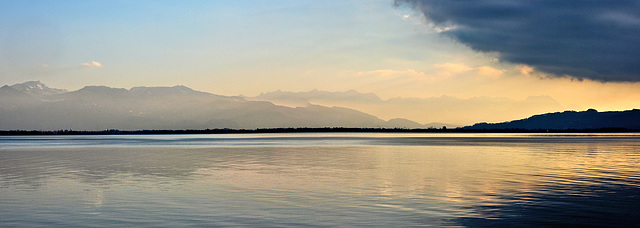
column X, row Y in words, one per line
column 584, row 54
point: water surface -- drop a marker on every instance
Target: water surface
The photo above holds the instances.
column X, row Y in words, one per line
column 385, row 180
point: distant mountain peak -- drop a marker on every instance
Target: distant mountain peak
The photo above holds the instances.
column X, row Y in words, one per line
column 33, row 84
column 100, row 88
column 37, row 88
column 169, row 91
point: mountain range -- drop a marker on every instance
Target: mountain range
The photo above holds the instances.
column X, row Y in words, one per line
column 34, row 106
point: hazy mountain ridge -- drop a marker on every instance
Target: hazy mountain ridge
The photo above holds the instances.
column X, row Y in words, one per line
column 303, row 98
column 443, row 109
column 33, row 106
column 589, row 119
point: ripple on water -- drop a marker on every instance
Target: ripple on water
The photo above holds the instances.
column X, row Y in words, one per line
column 396, row 180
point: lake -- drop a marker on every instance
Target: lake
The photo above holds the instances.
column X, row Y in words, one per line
column 320, row 180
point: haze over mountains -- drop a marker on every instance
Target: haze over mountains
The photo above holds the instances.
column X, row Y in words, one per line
column 34, row 106
column 444, row 109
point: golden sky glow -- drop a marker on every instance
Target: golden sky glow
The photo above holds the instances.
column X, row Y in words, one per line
column 247, row 47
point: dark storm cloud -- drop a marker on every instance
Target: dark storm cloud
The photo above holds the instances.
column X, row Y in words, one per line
column 593, row 39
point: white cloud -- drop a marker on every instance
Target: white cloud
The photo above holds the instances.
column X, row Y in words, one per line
column 444, row 28
column 92, row 64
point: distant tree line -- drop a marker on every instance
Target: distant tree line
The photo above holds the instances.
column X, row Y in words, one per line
column 309, row 130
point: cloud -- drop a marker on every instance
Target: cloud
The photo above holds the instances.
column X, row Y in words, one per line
column 489, row 71
column 92, row 64
column 525, row 70
column 451, row 69
column 393, row 73
column 589, row 39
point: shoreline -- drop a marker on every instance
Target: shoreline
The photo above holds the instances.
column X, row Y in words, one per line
column 309, row 130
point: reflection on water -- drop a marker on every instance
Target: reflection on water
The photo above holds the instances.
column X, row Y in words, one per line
column 321, row 180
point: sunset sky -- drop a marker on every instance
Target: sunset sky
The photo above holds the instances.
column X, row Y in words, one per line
column 584, row 54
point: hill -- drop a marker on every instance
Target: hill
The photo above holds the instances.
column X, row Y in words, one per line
column 589, row 119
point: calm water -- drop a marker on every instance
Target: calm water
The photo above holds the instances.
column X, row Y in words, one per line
column 386, row 180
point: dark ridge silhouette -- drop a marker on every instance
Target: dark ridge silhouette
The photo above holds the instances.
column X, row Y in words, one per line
column 568, row 120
